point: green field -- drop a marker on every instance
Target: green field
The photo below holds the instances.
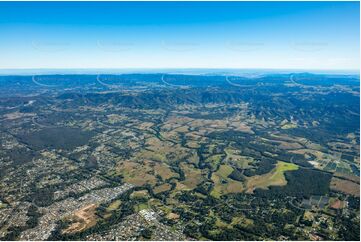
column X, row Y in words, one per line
column 273, row 178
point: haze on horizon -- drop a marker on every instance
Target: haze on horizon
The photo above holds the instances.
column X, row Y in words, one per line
column 271, row 35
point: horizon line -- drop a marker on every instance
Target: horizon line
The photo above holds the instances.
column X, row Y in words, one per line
column 148, row 70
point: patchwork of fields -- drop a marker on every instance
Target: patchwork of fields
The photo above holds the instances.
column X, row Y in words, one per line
column 269, row 161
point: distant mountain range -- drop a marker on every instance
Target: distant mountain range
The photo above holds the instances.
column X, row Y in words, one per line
column 194, row 71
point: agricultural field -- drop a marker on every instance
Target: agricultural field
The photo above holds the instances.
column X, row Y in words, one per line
column 275, row 177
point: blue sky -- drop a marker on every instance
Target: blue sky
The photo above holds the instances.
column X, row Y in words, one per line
column 279, row 35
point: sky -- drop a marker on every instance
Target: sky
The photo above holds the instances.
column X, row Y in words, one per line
column 272, row 35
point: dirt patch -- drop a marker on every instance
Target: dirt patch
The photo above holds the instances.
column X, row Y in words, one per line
column 173, row 216
column 82, row 219
column 337, row 204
